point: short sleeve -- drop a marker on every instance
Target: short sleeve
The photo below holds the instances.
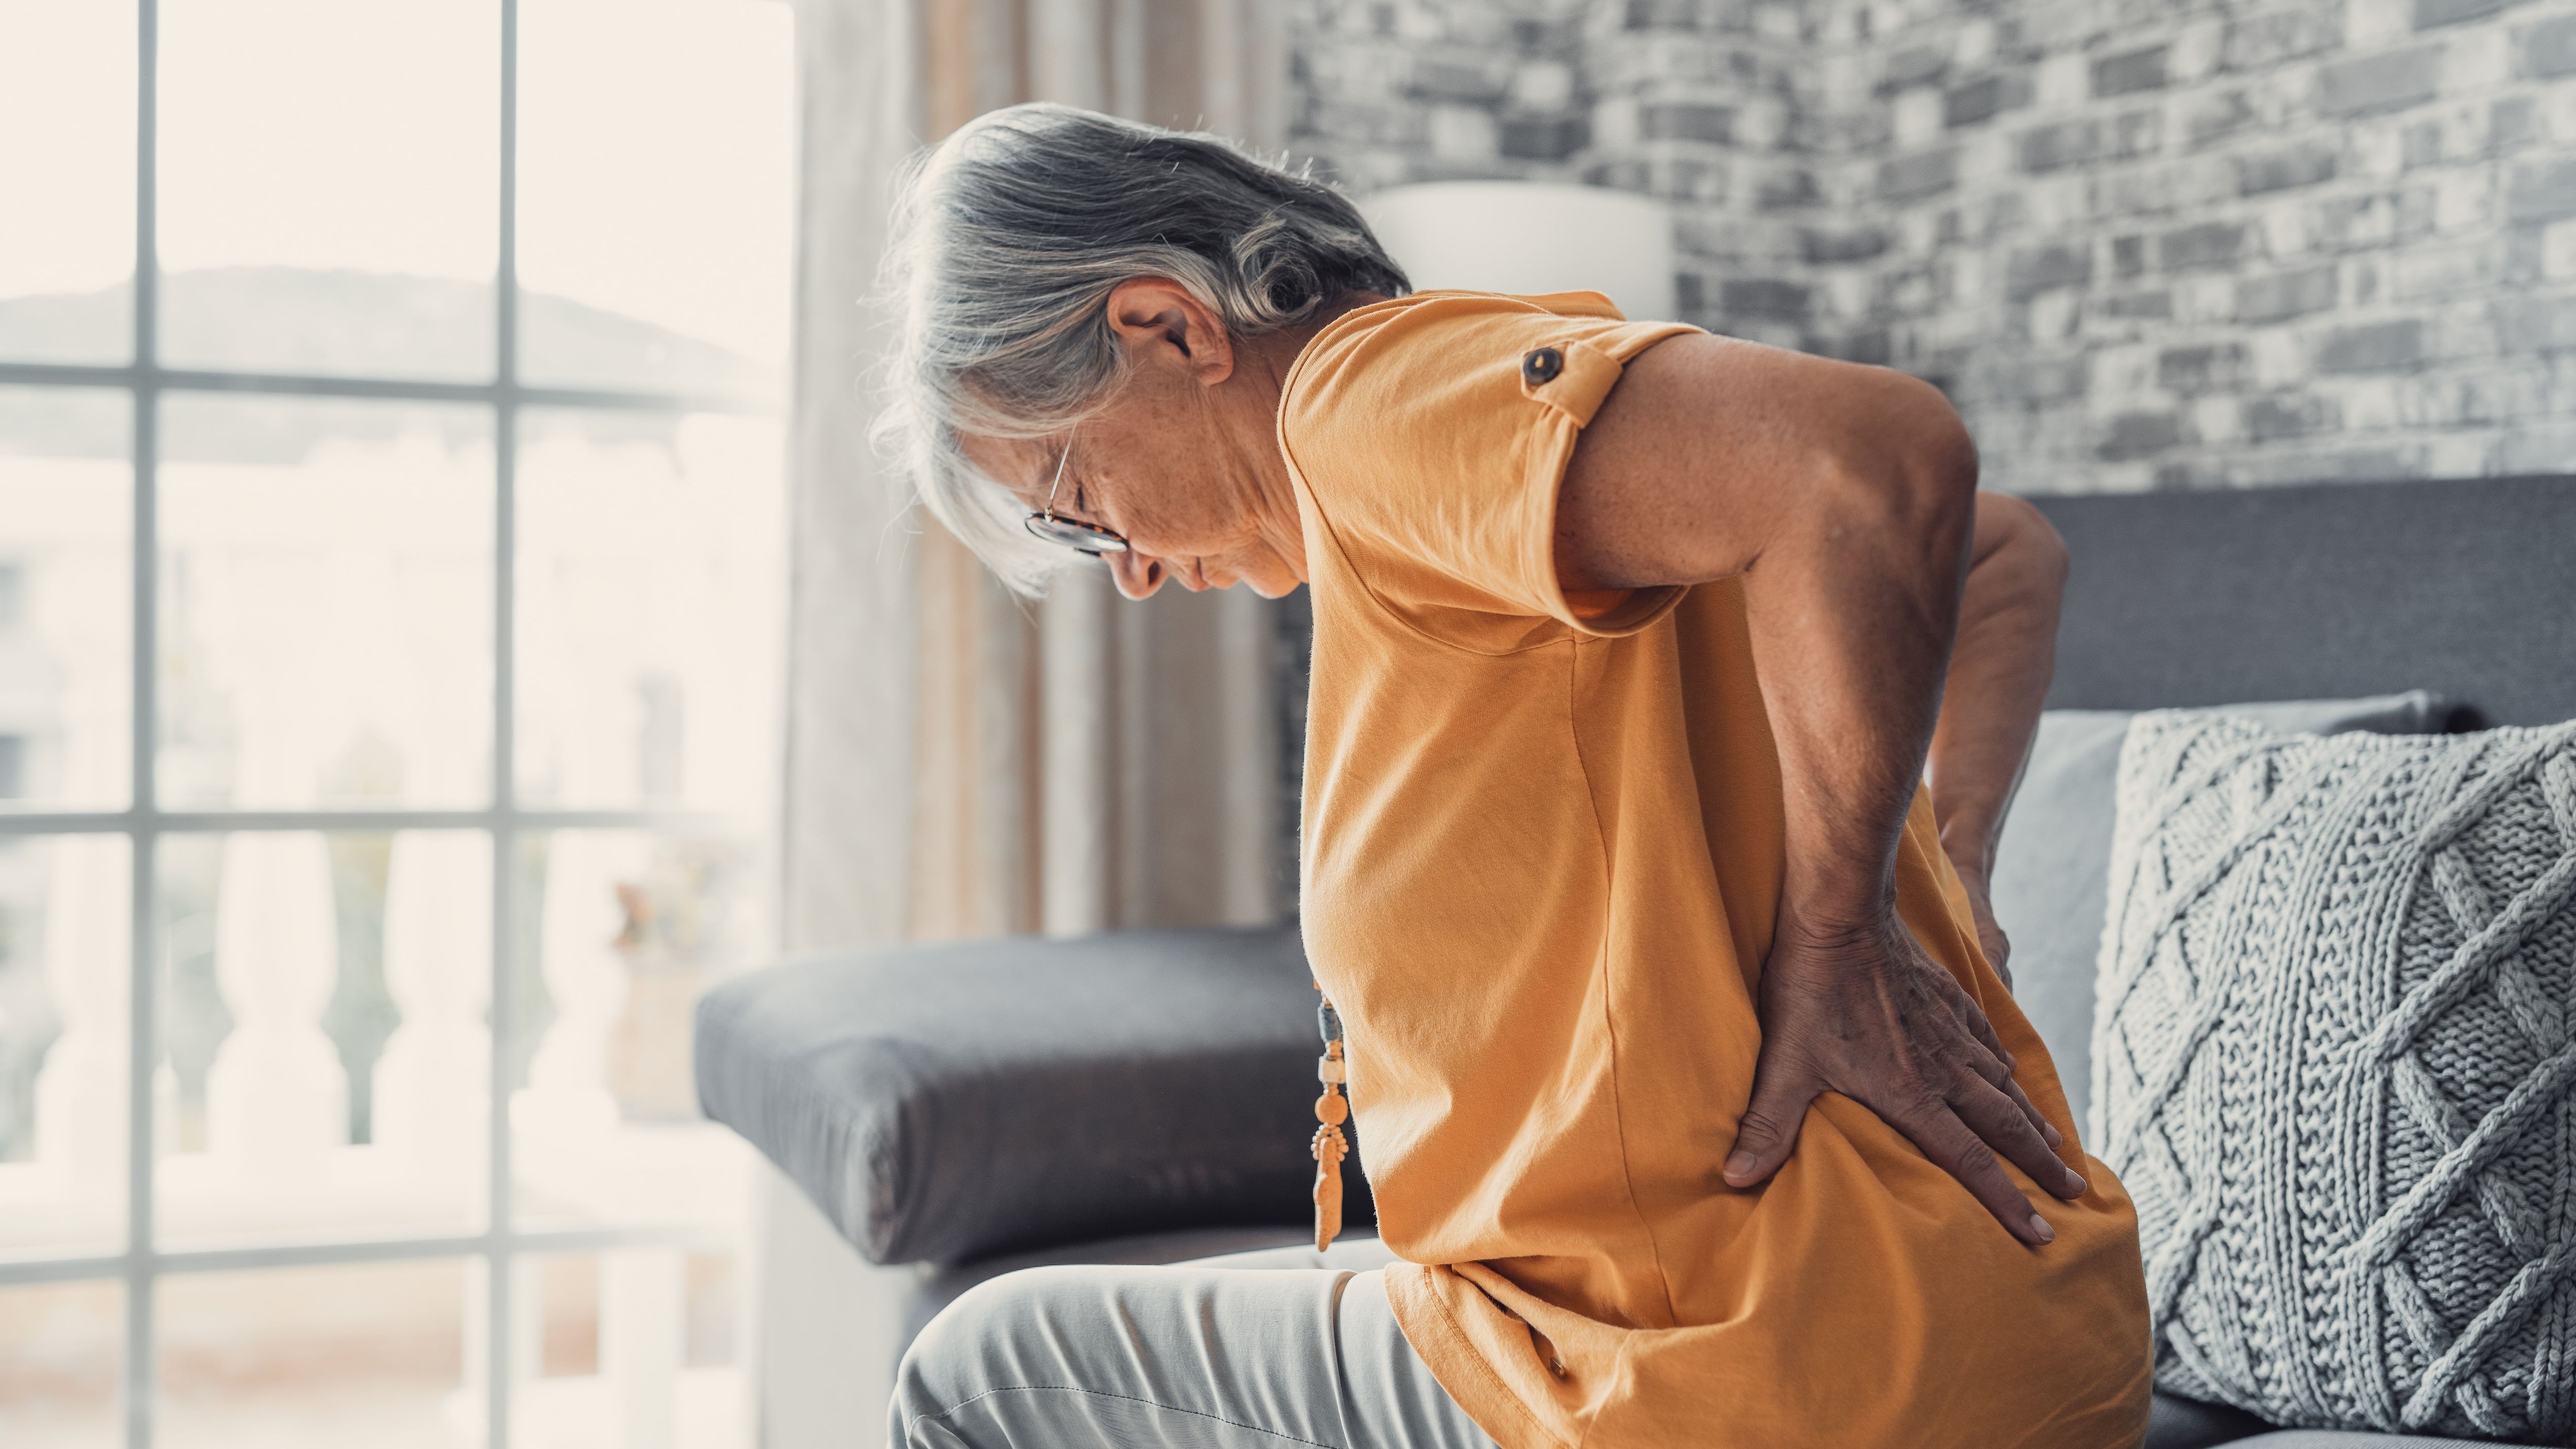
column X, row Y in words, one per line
column 1430, row 435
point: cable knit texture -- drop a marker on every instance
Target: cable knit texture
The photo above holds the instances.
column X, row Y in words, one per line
column 2332, row 1063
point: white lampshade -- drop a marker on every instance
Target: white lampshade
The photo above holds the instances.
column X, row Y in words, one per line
column 1523, row 236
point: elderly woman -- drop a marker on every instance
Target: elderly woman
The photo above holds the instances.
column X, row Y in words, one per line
column 1645, row 849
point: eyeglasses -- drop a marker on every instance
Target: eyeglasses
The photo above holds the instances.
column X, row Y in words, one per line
column 1073, row 533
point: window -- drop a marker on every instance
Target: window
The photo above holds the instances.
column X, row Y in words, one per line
column 392, row 527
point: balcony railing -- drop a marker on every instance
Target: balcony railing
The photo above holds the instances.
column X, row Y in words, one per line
column 277, row 1180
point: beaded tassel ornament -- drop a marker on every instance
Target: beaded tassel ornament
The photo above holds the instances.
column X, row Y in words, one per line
column 1331, row 1110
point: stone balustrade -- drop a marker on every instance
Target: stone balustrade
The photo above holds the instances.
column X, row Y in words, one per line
column 278, row 1166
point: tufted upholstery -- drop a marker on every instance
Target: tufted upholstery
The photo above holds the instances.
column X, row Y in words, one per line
column 2332, row 1064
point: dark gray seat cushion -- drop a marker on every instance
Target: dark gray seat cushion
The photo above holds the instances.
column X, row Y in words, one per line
column 943, row 1103
column 2345, row 1439
column 2180, row 1423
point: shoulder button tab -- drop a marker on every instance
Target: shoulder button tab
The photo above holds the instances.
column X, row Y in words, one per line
column 1542, row 366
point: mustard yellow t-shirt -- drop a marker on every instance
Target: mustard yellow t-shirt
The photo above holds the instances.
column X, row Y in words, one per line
column 1542, row 855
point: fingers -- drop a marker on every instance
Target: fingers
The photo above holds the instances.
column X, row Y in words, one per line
column 2008, row 1129
column 2047, row 1129
column 1955, row 1148
column 1769, row 1129
column 1987, row 1114
column 1997, row 1066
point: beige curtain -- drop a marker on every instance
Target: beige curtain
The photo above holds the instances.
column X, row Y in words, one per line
column 962, row 762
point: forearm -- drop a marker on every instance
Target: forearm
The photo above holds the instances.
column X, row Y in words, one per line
column 1852, row 643
column 1845, row 497
column 1999, row 671
column 1852, row 616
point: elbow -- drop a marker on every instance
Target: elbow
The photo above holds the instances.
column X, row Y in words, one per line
column 1912, row 467
column 1933, row 457
column 2048, row 550
column 2019, row 545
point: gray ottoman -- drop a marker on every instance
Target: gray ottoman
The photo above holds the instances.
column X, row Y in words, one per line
column 959, row 1102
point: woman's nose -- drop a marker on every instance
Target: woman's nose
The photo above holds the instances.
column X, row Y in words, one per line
column 1138, row 574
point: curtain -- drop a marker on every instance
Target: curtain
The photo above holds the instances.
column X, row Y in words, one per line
column 960, row 761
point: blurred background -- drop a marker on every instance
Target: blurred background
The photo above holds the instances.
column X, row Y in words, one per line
column 428, row 429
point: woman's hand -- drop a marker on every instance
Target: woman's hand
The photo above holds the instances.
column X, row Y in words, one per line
column 1999, row 668
column 1990, row 935
column 1865, row 1012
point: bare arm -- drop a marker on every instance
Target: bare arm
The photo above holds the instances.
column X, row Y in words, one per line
column 1845, row 497
column 1999, row 671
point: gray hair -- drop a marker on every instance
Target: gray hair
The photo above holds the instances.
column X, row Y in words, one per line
column 1005, row 242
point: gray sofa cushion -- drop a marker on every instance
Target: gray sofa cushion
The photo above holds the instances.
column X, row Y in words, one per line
column 942, row 1103
column 2054, row 860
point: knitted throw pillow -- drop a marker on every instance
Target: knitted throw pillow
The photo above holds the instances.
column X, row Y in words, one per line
column 2333, row 1059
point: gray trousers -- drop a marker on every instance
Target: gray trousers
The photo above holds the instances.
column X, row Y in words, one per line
column 1263, row 1350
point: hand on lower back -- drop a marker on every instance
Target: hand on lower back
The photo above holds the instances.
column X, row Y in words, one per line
column 1990, row 936
column 1868, row 1014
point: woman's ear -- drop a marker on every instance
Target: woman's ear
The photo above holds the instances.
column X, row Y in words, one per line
column 1161, row 324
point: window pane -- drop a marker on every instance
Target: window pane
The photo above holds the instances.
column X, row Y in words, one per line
column 325, row 1020
column 326, row 593
column 58, row 1353
column 67, row 156
column 656, row 174
column 318, row 1358
column 66, row 598
column 66, row 908
column 330, row 185
column 620, row 933
column 650, row 1326
column 651, row 610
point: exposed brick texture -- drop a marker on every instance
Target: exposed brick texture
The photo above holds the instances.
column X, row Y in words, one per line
column 2186, row 243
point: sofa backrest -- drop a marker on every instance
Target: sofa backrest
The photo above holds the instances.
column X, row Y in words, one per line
column 2467, row 588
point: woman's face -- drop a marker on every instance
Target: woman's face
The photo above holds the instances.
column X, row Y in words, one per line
column 1184, row 462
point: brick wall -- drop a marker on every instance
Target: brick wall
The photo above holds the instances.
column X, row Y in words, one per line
column 2142, row 243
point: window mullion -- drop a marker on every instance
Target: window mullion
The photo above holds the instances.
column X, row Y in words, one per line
column 384, row 389
column 141, row 1377
column 500, row 1264
column 226, row 819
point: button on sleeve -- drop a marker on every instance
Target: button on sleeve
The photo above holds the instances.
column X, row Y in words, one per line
column 1572, row 377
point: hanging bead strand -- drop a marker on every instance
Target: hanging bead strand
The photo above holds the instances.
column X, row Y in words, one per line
column 1331, row 1110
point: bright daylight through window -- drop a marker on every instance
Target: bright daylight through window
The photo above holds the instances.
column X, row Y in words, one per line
column 391, row 622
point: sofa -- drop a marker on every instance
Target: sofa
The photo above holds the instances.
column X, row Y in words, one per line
column 949, row 1112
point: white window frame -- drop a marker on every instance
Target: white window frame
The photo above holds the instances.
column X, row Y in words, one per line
column 500, row 1247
